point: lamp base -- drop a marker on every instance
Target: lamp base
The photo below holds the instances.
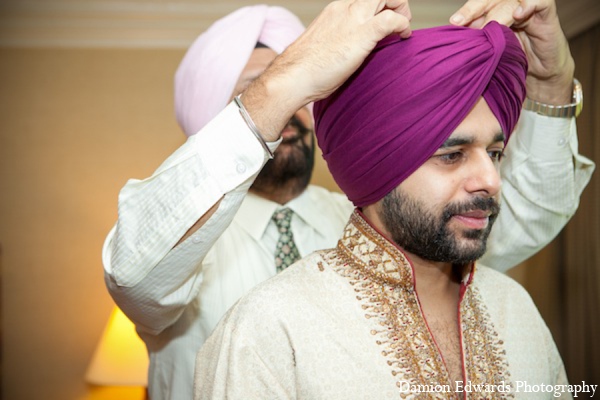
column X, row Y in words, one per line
column 117, row 393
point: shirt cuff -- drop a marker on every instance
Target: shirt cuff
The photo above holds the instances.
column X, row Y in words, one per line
column 227, row 142
column 546, row 138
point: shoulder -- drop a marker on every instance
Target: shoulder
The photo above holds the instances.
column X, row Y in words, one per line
column 508, row 301
column 509, row 312
column 499, row 285
column 274, row 297
column 280, row 308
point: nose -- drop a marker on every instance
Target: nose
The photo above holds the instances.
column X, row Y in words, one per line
column 484, row 176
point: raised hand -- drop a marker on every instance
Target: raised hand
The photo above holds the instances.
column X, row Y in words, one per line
column 477, row 13
column 551, row 66
column 336, row 43
column 333, row 46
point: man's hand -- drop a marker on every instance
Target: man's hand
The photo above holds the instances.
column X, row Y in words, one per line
column 551, row 66
column 337, row 42
column 333, row 46
column 477, row 13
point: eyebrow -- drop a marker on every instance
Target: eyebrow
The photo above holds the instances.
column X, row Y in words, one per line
column 458, row 141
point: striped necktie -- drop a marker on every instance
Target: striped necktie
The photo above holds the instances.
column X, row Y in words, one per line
column 286, row 252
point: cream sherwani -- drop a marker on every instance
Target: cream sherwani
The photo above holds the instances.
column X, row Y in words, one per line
column 346, row 324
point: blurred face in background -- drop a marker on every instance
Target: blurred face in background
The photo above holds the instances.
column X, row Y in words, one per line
column 294, row 158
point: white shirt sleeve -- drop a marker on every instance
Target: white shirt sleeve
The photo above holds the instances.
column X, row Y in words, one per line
column 149, row 280
column 543, row 176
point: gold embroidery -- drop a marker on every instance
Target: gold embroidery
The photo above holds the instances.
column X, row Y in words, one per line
column 382, row 278
column 486, row 358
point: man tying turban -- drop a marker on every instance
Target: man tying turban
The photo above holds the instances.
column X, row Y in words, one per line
column 414, row 137
column 218, row 216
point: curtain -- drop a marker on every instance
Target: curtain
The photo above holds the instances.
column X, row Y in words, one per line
column 580, row 240
column 564, row 278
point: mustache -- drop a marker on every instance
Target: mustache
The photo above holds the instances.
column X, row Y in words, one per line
column 476, row 204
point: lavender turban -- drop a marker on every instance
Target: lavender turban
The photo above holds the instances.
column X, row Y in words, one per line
column 409, row 96
column 207, row 75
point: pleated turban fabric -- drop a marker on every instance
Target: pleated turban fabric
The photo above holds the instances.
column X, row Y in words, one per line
column 409, row 96
column 207, row 75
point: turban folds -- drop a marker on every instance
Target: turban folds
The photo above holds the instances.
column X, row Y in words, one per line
column 409, row 96
column 207, row 75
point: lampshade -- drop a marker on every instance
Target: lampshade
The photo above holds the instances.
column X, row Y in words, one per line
column 120, row 357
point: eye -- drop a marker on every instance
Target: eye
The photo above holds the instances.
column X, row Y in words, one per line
column 451, row 158
column 496, row 155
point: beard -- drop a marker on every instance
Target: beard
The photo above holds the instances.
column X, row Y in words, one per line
column 293, row 162
column 427, row 235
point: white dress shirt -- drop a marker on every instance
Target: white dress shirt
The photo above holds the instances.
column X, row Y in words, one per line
column 176, row 295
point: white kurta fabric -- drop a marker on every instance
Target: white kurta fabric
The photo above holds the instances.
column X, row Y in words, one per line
column 176, row 296
column 346, row 324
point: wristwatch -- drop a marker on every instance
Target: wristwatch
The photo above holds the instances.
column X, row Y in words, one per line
column 566, row 111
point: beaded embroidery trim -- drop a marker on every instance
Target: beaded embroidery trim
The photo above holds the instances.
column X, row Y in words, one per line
column 382, row 279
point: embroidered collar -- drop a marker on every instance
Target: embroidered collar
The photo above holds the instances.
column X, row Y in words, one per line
column 382, row 278
column 378, row 257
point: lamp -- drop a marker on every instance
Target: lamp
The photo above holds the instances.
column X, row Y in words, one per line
column 120, row 358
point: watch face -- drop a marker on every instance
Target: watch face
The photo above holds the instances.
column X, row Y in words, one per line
column 577, row 97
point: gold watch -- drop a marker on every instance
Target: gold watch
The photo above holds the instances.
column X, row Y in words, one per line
column 566, row 111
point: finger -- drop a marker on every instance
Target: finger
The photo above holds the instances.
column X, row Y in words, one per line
column 524, row 11
column 401, row 7
column 521, row 38
column 388, row 21
column 374, row 7
column 470, row 11
column 477, row 23
column 503, row 13
column 383, row 17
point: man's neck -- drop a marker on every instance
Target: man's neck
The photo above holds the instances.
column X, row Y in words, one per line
column 434, row 277
column 438, row 288
column 282, row 194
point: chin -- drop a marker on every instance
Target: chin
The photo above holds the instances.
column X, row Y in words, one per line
column 474, row 251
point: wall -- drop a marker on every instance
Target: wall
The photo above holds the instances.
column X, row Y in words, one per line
column 75, row 124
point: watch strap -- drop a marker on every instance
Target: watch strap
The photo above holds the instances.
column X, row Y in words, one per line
column 564, row 111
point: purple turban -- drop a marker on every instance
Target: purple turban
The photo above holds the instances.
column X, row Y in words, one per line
column 409, row 96
column 207, row 75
